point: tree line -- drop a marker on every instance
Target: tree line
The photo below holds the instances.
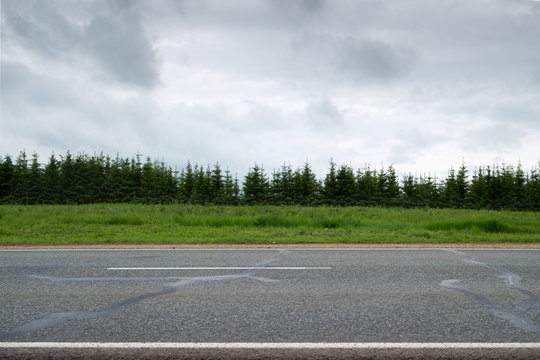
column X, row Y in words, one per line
column 85, row 179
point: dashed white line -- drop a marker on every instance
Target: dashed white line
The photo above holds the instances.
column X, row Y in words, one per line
column 247, row 345
column 225, row 268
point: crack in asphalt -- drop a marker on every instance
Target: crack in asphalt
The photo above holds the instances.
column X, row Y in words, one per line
column 512, row 281
column 168, row 288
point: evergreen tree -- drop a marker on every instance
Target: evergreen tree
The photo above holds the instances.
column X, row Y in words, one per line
column 20, row 180
column 7, row 171
column 202, row 185
column 148, row 182
column 366, row 187
column 520, row 180
column 507, row 184
column 462, row 187
column 134, row 181
column 186, row 183
column 451, row 192
column 428, row 192
column 282, row 186
column 217, row 186
column 494, row 190
column 109, row 180
column 308, row 187
column 345, row 188
column 330, row 185
column 532, row 190
column 231, row 190
column 410, row 191
column 35, row 181
column 162, row 183
column 82, row 191
column 478, row 194
column 380, row 190
column 51, row 192
column 392, row 191
column 67, row 179
column 276, row 188
column 256, row 186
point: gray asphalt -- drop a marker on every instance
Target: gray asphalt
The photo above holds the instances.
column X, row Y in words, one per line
column 391, row 295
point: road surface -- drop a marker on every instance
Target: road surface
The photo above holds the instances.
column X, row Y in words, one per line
column 310, row 302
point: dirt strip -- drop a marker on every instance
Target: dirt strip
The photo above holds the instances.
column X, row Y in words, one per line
column 271, row 246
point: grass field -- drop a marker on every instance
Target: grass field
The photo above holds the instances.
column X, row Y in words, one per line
column 170, row 224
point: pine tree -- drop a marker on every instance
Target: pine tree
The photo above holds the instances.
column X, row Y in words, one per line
column 494, row 190
column 508, row 187
column 428, row 192
column 532, row 189
column 7, row 171
column 20, row 180
column 83, row 191
column 462, row 187
column 282, row 186
column 345, row 188
column 217, row 191
column 409, row 196
column 392, row 191
column 366, row 187
column 451, row 192
column 202, row 185
column 51, row 193
column 230, row 189
column 478, row 190
column 67, row 179
column 35, row 181
column 256, row 186
column 520, row 181
column 186, row 184
column 330, row 185
column 288, row 185
column 134, row 181
column 148, row 182
column 309, row 187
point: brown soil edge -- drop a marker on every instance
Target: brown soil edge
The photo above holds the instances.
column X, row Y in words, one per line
column 181, row 246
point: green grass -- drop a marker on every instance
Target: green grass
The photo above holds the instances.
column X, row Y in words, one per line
column 169, row 224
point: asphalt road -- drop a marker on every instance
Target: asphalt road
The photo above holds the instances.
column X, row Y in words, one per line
column 254, row 296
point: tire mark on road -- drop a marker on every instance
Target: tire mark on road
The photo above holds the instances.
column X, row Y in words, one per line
column 512, row 281
column 168, row 288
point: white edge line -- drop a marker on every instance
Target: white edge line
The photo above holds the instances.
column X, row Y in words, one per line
column 240, row 345
column 278, row 249
column 226, row 268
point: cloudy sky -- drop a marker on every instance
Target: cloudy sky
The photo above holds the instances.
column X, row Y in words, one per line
column 421, row 84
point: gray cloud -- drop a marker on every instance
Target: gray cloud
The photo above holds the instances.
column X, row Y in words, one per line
column 349, row 58
column 38, row 26
column 517, row 113
column 114, row 37
column 410, row 144
column 499, row 137
column 119, row 43
column 22, row 89
column 323, row 114
column 296, row 13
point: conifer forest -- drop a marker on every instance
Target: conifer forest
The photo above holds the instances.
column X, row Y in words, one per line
column 88, row 179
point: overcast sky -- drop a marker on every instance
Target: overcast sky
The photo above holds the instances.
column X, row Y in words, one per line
column 421, row 85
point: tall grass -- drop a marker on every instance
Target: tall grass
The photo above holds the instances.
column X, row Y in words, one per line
column 121, row 223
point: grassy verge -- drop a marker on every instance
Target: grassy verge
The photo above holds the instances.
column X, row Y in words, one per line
column 176, row 224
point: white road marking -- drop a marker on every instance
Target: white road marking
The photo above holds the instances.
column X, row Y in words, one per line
column 273, row 249
column 226, row 268
column 240, row 345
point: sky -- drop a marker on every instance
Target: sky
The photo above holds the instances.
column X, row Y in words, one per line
column 422, row 85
